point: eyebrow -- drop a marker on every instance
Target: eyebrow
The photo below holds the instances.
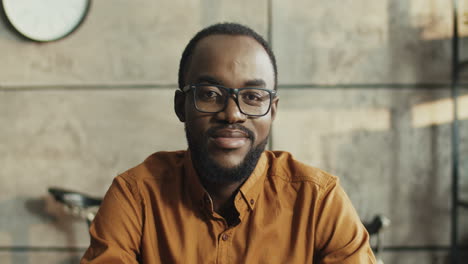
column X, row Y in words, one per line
column 255, row 82
column 208, row 79
column 212, row 80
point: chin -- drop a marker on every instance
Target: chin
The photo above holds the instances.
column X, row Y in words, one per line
column 220, row 165
column 227, row 161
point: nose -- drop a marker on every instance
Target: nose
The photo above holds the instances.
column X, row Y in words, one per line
column 231, row 113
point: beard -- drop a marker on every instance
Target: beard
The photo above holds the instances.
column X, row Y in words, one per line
column 210, row 171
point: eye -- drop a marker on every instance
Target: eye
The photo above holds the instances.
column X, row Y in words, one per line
column 253, row 96
column 209, row 93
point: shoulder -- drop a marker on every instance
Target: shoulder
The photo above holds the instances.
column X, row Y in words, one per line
column 161, row 165
column 285, row 167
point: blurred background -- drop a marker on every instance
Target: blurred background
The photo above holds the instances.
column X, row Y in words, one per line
column 365, row 93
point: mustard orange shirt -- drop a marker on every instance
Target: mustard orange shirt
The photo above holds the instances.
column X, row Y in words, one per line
column 158, row 212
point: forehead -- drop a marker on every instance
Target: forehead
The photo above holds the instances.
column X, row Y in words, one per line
column 230, row 59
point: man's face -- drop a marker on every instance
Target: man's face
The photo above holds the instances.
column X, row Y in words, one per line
column 227, row 137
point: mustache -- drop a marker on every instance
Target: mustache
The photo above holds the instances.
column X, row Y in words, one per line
column 212, row 131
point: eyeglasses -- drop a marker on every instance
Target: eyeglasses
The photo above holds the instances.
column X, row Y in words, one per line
column 210, row 98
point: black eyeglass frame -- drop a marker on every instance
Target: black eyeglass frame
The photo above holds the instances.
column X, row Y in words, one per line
column 230, row 91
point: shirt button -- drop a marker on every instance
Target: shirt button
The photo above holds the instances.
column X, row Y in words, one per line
column 252, row 201
column 224, row 237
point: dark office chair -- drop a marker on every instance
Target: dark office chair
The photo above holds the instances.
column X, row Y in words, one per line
column 375, row 228
column 78, row 204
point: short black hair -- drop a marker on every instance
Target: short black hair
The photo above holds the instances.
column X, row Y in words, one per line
column 223, row 29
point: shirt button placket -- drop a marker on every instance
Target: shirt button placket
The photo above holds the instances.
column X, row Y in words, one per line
column 223, row 248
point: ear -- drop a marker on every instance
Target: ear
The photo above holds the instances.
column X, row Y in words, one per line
column 179, row 105
column 274, row 107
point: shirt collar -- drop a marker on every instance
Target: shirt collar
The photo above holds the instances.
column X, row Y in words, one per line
column 250, row 190
column 198, row 194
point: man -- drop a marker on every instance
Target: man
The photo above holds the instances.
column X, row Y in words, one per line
column 226, row 200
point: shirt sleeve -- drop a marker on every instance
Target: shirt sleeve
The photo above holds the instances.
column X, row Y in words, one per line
column 117, row 228
column 341, row 237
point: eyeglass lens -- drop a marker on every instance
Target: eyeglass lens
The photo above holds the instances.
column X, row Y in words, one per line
column 252, row 101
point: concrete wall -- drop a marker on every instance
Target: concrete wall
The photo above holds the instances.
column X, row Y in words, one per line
column 364, row 88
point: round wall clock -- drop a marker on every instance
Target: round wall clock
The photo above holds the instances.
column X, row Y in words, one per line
column 45, row 20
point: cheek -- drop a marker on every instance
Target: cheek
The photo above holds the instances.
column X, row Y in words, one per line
column 194, row 125
column 196, row 122
column 263, row 128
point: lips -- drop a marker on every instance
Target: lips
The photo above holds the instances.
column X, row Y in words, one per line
column 229, row 138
